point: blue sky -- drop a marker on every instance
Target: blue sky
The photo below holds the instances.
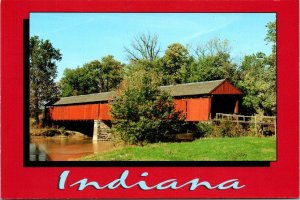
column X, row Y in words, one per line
column 83, row 37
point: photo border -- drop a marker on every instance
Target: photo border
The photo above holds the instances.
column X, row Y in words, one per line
column 104, row 163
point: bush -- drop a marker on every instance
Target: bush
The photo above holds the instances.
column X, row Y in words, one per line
column 227, row 128
column 205, row 129
column 260, row 129
column 142, row 113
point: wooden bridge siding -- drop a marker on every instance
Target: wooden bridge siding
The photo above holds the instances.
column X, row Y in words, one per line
column 80, row 112
column 193, row 109
column 181, row 105
column 74, row 112
column 104, row 113
column 198, row 109
column 226, row 88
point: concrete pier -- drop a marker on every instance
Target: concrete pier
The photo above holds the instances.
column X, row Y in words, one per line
column 101, row 130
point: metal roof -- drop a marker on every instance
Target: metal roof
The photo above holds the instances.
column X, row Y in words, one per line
column 188, row 89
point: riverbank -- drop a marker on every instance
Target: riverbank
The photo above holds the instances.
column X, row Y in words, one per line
column 51, row 132
column 57, row 132
column 207, row 149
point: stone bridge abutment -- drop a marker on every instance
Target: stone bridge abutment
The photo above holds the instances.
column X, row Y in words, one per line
column 101, row 130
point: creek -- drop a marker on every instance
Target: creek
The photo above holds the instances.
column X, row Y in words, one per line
column 64, row 149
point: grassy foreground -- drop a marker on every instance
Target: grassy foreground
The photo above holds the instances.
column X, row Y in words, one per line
column 208, row 149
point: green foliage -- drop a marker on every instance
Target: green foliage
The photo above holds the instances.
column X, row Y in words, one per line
column 79, row 81
column 258, row 84
column 213, row 62
column 42, row 72
column 205, row 129
column 226, row 128
column 257, row 78
column 223, row 128
column 259, row 129
column 155, row 66
column 110, row 74
column 230, row 129
column 271, row 34
column 96, row 76
column 176, row 57
column 142, row 113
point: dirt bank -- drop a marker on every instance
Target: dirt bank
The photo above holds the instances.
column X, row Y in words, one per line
column 56, row 133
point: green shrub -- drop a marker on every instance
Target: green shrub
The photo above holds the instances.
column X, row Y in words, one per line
column 226, row 128
column 142, row 113
column 259, row 129
column 205, row 129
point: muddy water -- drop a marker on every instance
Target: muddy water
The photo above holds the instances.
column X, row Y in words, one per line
column 64, row 149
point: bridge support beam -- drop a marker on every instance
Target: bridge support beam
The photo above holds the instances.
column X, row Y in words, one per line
column 101, row 130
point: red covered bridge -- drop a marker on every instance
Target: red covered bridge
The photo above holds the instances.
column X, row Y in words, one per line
column 198, row 101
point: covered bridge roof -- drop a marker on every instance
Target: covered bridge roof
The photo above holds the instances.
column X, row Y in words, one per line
column 188, row 89
column 88, row 98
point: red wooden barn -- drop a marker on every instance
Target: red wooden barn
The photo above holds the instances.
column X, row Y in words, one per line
column 198, row 101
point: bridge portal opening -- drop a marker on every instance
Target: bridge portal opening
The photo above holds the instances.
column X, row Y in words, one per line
column 228, row 104
column 85, row 127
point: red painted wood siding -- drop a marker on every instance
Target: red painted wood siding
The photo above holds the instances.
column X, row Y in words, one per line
column 198, row 109
column 193, row 109
column 226, row 88
column 104, row 112
column 74, row 112
column 181, row 105
column 80, row 112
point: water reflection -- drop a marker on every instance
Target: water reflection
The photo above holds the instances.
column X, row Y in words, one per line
column 37, row 152
column 64, row 149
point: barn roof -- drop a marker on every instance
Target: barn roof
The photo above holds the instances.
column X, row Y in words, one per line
column 188, row 89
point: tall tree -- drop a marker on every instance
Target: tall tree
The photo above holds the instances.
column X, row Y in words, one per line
column 154, row 66
column 110, row 74
column 271, row 34
column 257, row 83
column 213, row 62
column 271, row 39
column 93, row 77
column 81, row 80
column 43, row 70
column 213, row 47
column 143, row 47
column 258, row 78
column 176, row 57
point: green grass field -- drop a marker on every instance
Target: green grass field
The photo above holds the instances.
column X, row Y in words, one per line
column 208, row 149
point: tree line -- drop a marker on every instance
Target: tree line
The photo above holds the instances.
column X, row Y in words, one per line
column 255, row 75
